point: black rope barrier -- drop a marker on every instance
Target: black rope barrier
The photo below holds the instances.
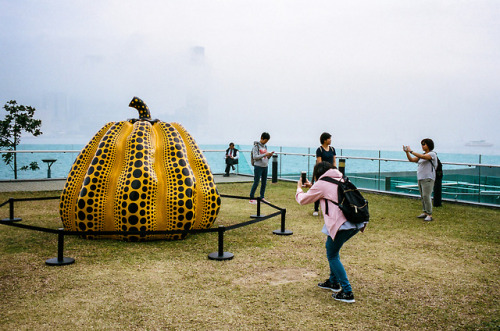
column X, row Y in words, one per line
column 36, row 199
column 260, row 219
column 219, row 255
column 30, row 227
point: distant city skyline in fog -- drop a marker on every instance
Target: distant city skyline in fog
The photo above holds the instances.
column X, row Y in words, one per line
column 375, row 74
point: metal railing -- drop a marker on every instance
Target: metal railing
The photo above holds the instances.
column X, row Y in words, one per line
column 472, row 182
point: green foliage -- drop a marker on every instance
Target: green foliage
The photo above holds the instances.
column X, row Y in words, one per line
column 19, row 119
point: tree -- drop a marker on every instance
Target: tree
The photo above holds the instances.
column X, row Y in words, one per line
column 19, row 118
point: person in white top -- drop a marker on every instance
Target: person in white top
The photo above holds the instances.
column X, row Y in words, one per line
column 426, row 174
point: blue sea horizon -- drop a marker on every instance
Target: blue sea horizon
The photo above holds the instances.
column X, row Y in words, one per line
column 289, row 164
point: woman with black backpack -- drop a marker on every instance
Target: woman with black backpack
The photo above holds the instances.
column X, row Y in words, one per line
column 426, row 174
column 337, row 228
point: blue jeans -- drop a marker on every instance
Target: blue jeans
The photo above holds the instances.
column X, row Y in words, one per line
column 259, row 173
column 337, row 271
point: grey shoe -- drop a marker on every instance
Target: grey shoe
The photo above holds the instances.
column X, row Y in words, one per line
column 423, row 215
column 428, row 219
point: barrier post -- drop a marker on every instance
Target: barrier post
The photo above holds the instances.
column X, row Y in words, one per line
column 258, row 209
column 275, row 169
column 11, row 213
column 342, row 166
column 438, row 190
column 60, row 259
column 221, row 255
column 388, row 184
column 282, row 231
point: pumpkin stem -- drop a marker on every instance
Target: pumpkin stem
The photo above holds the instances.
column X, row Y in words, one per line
column 138, row 104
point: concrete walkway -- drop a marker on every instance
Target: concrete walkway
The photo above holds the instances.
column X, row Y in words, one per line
column 57, row 184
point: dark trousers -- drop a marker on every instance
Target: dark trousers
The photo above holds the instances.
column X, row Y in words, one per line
column 259, row 173
column 230, row 162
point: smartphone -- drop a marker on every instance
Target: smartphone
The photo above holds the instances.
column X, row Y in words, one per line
column 303, row 176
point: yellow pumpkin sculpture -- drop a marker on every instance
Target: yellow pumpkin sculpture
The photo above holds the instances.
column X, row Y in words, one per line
column 140, row 175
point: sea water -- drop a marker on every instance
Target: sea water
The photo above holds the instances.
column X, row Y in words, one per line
column 289, row 164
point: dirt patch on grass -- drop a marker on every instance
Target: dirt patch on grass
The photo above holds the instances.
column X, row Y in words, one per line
column 277, row 277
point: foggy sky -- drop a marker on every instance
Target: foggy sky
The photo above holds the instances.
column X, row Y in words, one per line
column 375, row 74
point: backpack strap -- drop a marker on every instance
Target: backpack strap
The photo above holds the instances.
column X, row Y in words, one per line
column 331, row 180
column 432, row 163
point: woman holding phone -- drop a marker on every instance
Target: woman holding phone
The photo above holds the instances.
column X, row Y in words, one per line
column 426, row 174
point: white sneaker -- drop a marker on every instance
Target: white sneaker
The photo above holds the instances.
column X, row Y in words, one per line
column 315, row 213
column 423, row 215
column 428, row 218
column 253, row 202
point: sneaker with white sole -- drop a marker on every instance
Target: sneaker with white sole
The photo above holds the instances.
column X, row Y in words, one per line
column 423, row 215
column 344, row 297
column 428, row 218
column 253, row 202
column 328, row 285
column 315, row 213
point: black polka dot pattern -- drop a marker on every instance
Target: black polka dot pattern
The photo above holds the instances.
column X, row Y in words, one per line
column 75, row 179
column 143, row 109
column 137, row 187
column 97, row 192
column 140, row 175
column 208, row 200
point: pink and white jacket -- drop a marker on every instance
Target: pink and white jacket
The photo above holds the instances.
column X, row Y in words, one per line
column 325, row 190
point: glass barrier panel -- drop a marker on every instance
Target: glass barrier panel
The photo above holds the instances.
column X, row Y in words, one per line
column 466, row 181
column 398, row 176
column 363, row 173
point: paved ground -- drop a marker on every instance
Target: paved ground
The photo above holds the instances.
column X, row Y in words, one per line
column 58, row 184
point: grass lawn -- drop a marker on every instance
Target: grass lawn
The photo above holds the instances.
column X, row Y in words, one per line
column 405, row 273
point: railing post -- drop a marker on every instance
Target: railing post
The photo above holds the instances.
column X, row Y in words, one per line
column 60, row 259
column 308, row 161
column 281, row 161
column 479, row 182
column 275, row 169
column 11, row 213
column 221, row 255
column 282, row 231
column 379, row 178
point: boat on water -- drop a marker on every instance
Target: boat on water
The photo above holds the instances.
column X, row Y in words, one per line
column 478, row 143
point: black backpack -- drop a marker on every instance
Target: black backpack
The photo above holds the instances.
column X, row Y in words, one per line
column 351, row 202
column 439, row 168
